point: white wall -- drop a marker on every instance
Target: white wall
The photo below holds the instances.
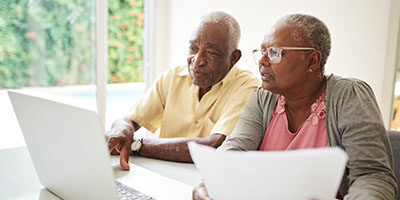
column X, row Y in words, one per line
column 362, row 32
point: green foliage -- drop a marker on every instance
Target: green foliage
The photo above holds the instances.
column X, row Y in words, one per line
column 125, row 38
column 13, row 61
column 52, row 42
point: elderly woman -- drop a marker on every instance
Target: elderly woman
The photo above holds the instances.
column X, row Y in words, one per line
column 299, row 107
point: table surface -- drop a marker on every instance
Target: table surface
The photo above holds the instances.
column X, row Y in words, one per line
column 157, row 178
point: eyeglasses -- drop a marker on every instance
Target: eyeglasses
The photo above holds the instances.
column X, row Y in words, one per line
column 274, row 54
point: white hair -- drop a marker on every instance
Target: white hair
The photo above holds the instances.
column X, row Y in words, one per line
column 312, row 29
column 219, row 17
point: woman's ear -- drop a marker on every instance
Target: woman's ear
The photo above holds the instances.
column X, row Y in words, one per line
column 235, row 56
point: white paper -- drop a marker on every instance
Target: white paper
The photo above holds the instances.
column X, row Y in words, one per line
column 297, row 174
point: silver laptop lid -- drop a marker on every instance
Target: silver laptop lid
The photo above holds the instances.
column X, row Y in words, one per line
column 67, row 147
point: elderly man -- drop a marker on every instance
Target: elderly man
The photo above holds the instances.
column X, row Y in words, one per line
column 299, row 107
column 199, row 102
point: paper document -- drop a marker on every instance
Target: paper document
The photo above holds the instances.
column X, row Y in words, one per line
column 297, row 174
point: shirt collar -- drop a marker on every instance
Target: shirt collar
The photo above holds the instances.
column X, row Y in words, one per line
column 230, row 76
column 184, row 71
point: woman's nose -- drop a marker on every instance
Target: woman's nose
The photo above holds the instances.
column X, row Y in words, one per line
column 264, row 61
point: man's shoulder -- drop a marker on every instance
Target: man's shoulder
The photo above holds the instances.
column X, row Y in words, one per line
column 176, row 70
column 180, row 70
column 246, row 76
column 174, row 73
column 246, row 73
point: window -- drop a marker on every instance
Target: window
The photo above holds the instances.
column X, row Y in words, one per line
column 125, row 56
column 49, row 47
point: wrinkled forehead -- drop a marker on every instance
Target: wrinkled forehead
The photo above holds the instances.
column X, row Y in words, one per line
column 285, row 35
column 210, row 32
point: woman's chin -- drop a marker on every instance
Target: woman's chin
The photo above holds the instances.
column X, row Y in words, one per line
column 268, row 86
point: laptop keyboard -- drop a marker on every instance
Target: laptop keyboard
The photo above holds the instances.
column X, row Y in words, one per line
column 128, row 193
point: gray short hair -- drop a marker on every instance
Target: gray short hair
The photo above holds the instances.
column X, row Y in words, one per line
column 313, row 29
column 219, row 17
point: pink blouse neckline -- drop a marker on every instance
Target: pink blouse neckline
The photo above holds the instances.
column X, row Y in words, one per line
column 317, row 108
column 311, row 134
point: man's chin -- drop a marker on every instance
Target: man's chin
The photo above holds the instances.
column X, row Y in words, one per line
column 201, row 84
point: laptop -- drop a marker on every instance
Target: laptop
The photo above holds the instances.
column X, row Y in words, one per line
column 279, row 175
column 68, row 149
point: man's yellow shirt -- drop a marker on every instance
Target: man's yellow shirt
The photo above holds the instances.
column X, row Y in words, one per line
column 172, row 104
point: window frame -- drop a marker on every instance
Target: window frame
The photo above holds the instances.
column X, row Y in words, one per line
column 149, row 54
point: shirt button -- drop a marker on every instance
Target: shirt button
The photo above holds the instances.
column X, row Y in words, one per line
column 196, row 121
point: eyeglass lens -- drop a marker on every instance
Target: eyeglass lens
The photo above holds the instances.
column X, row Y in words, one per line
column 272, row 54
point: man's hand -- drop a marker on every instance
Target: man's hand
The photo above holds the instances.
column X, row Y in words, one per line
column 120, row 138
column 200, row 193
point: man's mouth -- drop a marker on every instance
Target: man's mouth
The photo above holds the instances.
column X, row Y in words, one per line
column 197, row 72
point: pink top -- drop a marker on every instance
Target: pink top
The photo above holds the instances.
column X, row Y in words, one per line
column 311, row 134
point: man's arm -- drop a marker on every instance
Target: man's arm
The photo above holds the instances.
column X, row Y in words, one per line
column 176, row 149
column 120, row 138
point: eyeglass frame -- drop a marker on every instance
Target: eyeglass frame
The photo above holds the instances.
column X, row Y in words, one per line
column 266, row 55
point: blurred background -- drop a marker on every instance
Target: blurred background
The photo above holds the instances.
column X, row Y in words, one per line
column 49, row 47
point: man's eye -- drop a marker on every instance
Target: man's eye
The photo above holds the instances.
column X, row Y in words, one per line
column 212, row 53
column 192, row 50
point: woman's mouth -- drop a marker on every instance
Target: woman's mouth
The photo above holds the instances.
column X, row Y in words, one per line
column 266, row 77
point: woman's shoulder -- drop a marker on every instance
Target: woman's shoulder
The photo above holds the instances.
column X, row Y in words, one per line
column 263, row 94
column 340, row 87
column 339, row 84
column 264, row 97
column 344, row 81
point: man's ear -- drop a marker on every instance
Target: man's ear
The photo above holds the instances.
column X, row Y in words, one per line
column 315, row 60
column 235, row 56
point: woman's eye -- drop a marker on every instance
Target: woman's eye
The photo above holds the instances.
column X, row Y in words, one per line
column 274, row 53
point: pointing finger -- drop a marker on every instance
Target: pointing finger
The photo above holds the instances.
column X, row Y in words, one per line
column 124, row 156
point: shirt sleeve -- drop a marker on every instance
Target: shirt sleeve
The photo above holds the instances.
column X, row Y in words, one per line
column 148, row 111
column 232, row 109
column 364, row 138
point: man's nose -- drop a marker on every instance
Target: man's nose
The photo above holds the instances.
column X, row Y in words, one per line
column 198, row 60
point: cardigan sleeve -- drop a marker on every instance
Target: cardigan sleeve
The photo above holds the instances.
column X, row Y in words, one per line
column 363, row 136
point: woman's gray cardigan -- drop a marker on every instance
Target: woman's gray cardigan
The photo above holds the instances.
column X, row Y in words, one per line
column 353, row 122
